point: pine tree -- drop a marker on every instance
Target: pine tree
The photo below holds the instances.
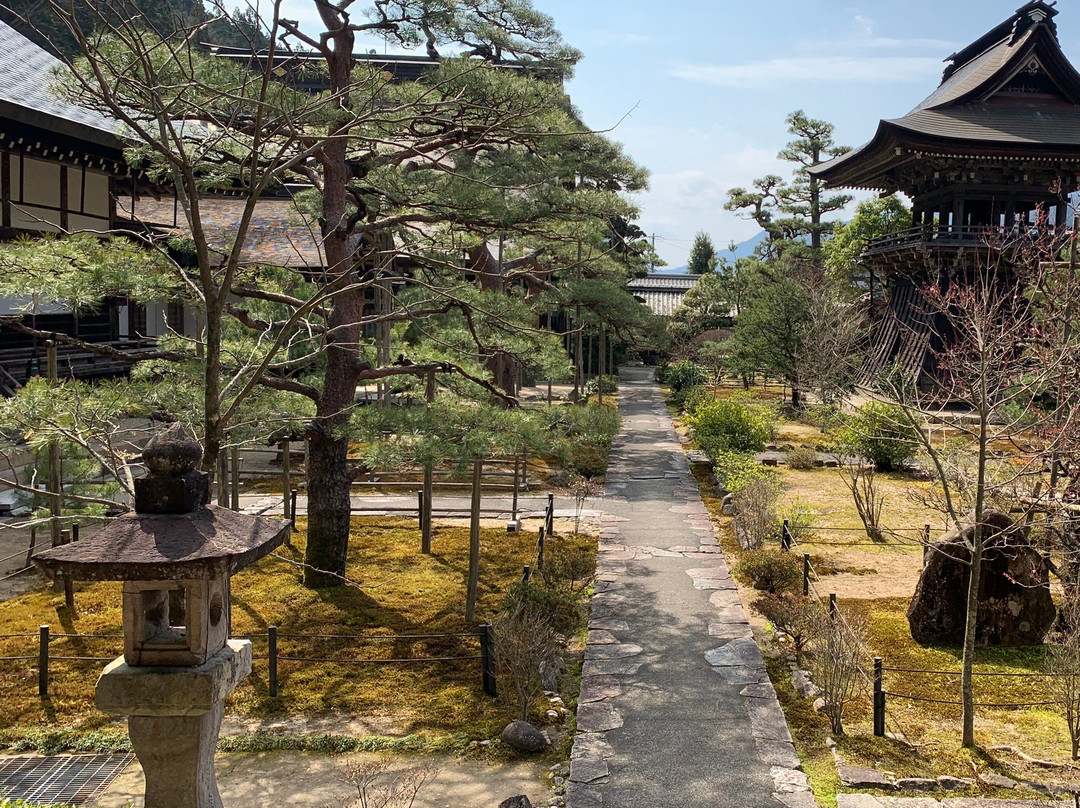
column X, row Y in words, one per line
column 703, row 258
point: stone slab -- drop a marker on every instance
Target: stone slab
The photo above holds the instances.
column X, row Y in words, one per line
column 737, row 653
column 777, row 753
column 862, row 777
column 598, row 717
column 908, row 802
column 856, row 801
column 143, row 691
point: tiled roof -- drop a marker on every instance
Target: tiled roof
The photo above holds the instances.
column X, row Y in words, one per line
column 662, row 293
column 28, row 74
column 280, row 234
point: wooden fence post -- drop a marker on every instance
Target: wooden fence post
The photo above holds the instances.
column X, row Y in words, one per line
column 550, row 524
column 293, row 520
column 806, row 574
column 234, row 482
column 487, row 660
column 879, row 698
column 832, row 607
column 223, row 481
column 517, row 488
column 56, row 483
column 785, row 536
column 69, row 590
column 271, row 639
column 43, row 662
column 429, row 481
column 286, row 474
column 525, row 469
column 420, row 514
column 926, row 546
column 540, row 548
column 526, row 574
column 474, row 543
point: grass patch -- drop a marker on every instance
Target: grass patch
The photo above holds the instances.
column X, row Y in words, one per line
column 404, row 593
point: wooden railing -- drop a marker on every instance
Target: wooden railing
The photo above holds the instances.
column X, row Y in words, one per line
column 959, row 236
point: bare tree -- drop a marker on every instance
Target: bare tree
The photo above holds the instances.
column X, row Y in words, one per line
column 839, row 650
column 1064, row 668
column 829, row 355
column 861, row 480
column 378, row 785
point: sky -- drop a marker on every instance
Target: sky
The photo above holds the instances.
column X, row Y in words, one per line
column 697, row 90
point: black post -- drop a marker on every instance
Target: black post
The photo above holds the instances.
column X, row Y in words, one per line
column 420, row 511
column 75, row 532
column 832, row 606
column 785, row 537
column 271, row 638
column 43, row 662
column 550, row 514
column 293, row 521
column 526, row 574
column 926, row 546
column 487, row 660
column 540, row 548
column 879, row 698
column 806, row 574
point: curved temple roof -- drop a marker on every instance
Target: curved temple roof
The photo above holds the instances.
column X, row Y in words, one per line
column 1011, row 93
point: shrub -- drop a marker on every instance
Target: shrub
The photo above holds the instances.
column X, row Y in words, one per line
column 756, row 520
column 772, row 571
column 800, row 518
column 526, row 646
column 661, row 373
column 585, row 438
column 726, row 425
column 562, row 608
column 792, row 616
column 882, row 434
column 736, row 470
column 825, row 417
column 801, row 458
column 586, row 457
column 683, row 374
column 839, row 650
column 692, row 399
column 611, row 385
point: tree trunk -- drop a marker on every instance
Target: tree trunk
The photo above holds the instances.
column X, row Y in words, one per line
column 329, row 479
column 972, row 617
column 796, row 397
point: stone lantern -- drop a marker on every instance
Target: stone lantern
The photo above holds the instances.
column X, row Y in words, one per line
column 175, row 555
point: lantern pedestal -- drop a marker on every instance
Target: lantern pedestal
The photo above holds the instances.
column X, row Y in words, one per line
column 174, row 719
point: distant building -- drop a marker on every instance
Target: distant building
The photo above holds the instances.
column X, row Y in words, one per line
column 662, row 293
column 995, row 144
column 62, row 168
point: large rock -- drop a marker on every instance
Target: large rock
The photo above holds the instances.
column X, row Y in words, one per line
column 523, row 737
column 520, row 801
column 1015, row 607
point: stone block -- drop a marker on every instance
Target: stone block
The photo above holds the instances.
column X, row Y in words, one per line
column 856, row 801
column 917, row 784
column 860, row 777
column 123, row 689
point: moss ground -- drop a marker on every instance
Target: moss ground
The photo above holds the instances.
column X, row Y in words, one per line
column 400, row 592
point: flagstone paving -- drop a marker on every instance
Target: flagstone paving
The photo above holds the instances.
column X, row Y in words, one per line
column 676, row 707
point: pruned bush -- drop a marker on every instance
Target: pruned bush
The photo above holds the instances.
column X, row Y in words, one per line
column 685, row 374
column 883, row 434
column 526, row 645
column 756, row 517
column 611, row 385
column 801, row 458
column 585, row 438
column 792, row 616
column 771, row 570
column 736, row 470
column 724, row 425
column 692, row 399
column 558, row 589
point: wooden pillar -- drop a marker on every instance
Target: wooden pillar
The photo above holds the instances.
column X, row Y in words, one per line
column 474, row 544
column 234, row 481
column 286, row 478
column 603, row 362
column 429, row 486
column 56, row 504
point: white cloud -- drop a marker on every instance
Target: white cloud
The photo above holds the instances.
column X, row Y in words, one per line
column 872, row 70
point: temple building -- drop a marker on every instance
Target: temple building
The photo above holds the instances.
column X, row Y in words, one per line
column 995, row 149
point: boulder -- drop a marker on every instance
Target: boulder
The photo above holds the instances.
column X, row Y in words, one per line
column 520, row 801
column 1015, row 607
column 523, row 737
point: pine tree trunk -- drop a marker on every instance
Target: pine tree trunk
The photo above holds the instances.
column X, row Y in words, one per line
column 328, row 477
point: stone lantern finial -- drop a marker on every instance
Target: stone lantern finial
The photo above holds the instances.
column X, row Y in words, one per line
column 173, row 485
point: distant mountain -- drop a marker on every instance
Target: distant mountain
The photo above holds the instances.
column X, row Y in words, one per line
column 743, row 250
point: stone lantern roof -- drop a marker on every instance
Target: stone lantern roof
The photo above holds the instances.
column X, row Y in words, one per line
column 173, row 534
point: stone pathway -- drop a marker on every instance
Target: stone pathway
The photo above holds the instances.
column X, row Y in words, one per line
column 676, row 708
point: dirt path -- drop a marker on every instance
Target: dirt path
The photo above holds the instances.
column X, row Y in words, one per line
column 308, row 780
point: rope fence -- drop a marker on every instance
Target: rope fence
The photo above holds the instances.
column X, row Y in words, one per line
column 484, row 636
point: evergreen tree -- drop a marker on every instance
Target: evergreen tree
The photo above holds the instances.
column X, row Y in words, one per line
column 703, row 258
column 793, row 212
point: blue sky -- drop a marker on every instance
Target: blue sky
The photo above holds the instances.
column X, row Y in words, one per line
column 698, row 91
